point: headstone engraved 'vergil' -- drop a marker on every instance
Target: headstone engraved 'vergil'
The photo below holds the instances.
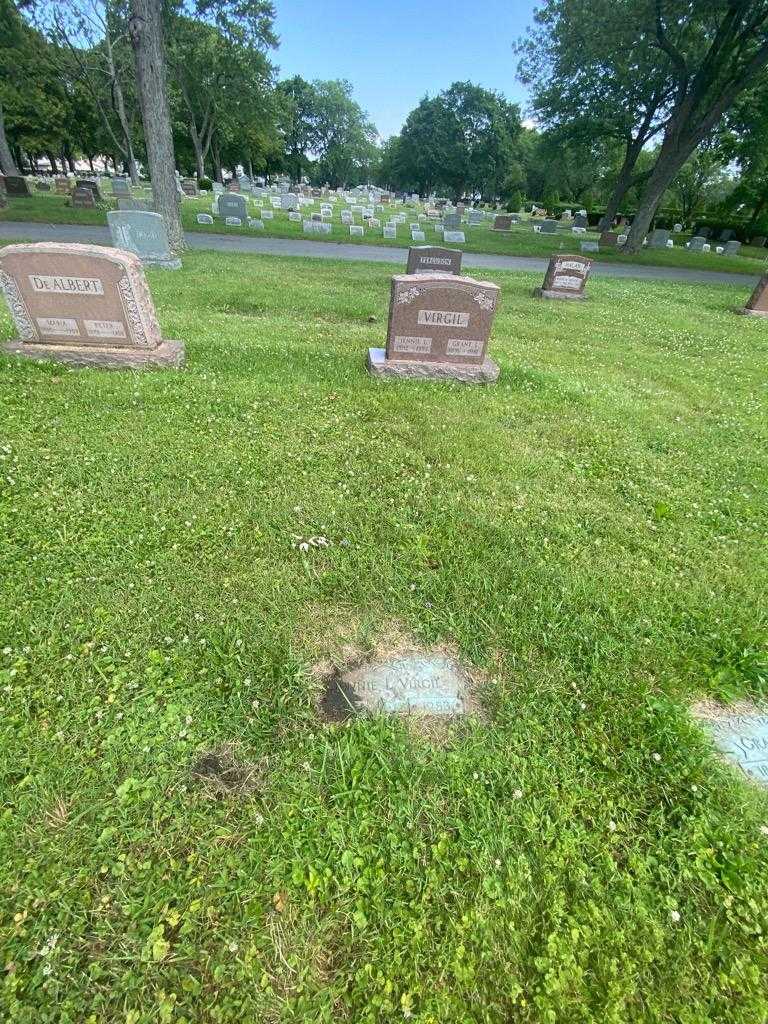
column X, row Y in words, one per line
column 439, row 326
column 566, row 278
column 83, row 304
column 144, row 234
column 757, row 305
column 430, row 259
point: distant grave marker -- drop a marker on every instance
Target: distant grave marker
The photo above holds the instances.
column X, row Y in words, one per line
column 144, row 234
column 16, row 186
column 566, row 278
column 83, row 198
column 658, row 239
column 230, row 205
column 431, row 259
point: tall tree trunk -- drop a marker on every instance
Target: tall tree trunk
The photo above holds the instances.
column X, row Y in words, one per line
column 90, row 164
column 759, row 207
column 52, row 161
column 7, row 163
column 146, row 29
column 675, row 150
column 217, row 168
column 197, row 145
column 622, row 186
column 119, row 103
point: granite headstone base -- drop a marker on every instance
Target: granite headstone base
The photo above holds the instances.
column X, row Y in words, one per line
column 167, row 354
column 406, row 369
column 546, row 293
column 745, row 311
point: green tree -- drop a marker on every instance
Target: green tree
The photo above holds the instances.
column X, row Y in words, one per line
column 296, row 100
column 463, row 140
column 594, row 77
column 344, row 140
column 717, row 49
column 702, row 181
column 221, row 70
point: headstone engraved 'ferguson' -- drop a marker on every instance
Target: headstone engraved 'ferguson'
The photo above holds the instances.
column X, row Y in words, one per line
column 566, row 278
column 439, row 326
column 82, row 304
column 430, row 259
column 143, row 234
column 757, row 305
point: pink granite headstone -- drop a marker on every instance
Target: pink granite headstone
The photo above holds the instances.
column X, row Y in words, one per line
column 82, row 304
column 439, row 326
column 757, row 304
column 566, row 278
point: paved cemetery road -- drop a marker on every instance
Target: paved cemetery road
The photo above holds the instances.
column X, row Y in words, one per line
column 369, row 253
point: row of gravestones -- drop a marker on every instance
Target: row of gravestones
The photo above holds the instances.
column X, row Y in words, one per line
column 86, row 305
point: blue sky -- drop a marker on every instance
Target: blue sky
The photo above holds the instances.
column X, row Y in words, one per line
column 393, row 53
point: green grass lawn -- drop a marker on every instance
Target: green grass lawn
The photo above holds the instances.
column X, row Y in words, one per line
column 521, row 241
column 589, row 534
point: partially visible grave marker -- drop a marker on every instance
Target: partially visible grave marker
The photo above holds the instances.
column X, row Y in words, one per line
column 430, row 259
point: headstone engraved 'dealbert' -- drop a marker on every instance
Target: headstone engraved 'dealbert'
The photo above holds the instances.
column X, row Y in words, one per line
column 143, row 234
column 566, row 278
column 439, row 325
column 85, row 305
column 757, row 304
column 431, row 259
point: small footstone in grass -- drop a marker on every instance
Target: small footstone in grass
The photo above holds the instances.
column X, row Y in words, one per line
column 418, row 683
column 742, row 735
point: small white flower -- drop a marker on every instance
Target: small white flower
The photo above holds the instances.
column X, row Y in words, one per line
column 475, row 776
column 656, row 757
column 675, row 916
column 583, row 706
column 611, row 826
column 497, row 862
column 7, row 650
column 764, row 830
column 518, row 794
column 233, row 947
